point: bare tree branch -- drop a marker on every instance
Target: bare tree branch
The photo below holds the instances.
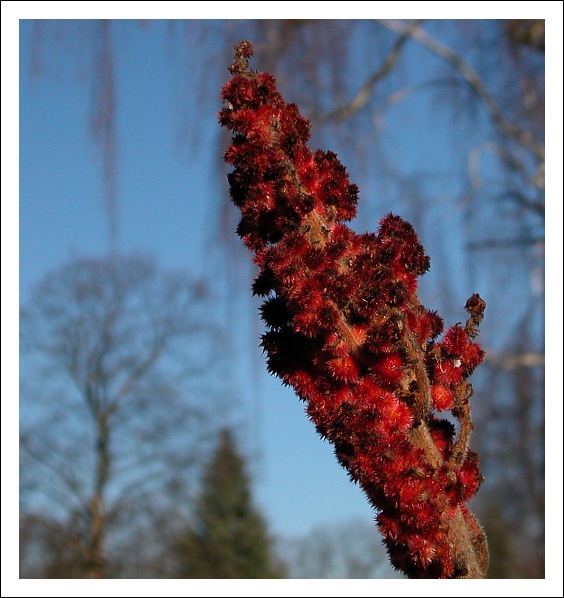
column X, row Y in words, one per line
column 363, row 95
column 513, row 362
column 70, row 482
column 505, row 128
column 530, row 204
column 504, row 243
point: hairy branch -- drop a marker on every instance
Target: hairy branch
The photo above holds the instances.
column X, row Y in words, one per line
column 348, row 333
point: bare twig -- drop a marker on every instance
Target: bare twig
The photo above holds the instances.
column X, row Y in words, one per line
column 504, row 243
column 363, row 95
column 505, row 128
column 69, row 480
column 516, row 361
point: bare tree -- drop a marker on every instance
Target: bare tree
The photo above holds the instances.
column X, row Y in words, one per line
column 48, row 548
column 511, row 432
column 117, row 362
column 348, row 550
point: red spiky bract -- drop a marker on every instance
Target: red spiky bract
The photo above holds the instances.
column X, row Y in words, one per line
column 347, row 331
column 443, row 397
column 388, row 369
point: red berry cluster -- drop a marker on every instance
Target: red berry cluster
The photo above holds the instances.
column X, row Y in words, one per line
column 347, row 332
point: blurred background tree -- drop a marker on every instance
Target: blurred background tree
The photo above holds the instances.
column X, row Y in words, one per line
column 349, row 550
column 228, row 537
column 116, row 359
column 441, row 121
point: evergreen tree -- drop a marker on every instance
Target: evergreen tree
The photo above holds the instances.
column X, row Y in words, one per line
column 228, row 537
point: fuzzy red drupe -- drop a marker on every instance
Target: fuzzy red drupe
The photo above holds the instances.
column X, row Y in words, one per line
column 347, row 331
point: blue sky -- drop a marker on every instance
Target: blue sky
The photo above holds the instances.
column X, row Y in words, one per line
column 168, row 197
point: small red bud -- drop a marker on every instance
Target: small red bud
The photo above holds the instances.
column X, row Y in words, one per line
column 344, row 368
column 388, row 369
column 443, row 398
